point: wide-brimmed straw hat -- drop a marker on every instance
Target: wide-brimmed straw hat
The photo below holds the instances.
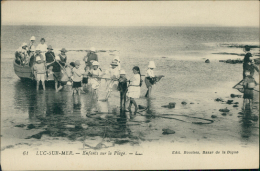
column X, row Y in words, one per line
column 122, row 72
column 24, row 44
column 49, row 47
column 77, row 62
column 63, row 50
column 32, row 38
column 114, row 63
column 95, row 63
column 151, row 64
column 93, row 49
column 37, row 50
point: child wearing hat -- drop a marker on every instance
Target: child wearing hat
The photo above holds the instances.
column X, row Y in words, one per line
column 249, row 84
column 150, row 78
column 114, row 76
column 63, row 56
column 39, row 69
column 77, row 78
column 134, row 88
column 43, row 47
column 91, row 56
column 22, row 51
column 95, row 74
column 31, row 44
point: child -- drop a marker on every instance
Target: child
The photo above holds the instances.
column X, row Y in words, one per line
column 42, row 46
column 77, row 78
column 249, row 84
column 117, row 59
column 122, row 87
column 66, row 76
column 150, row 78
column 95, row 73
column 39, row 69
column 114, row 76
column 134, row 88
column 50, row 73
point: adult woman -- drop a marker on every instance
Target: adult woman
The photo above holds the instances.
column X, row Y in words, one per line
column 248, row 64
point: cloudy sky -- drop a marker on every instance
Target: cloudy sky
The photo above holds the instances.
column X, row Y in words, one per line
column 137, row 13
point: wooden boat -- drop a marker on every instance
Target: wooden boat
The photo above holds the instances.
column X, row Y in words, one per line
column 25, row 72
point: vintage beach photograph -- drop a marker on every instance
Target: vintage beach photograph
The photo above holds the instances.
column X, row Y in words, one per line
column 129, row 85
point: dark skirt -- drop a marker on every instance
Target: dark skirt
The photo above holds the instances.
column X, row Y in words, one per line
column 63, row 83
column 85, row 80
column 149, row 81
column 76, row 84
column 248, row 93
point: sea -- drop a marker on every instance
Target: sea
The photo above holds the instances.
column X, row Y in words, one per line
column 179, row 54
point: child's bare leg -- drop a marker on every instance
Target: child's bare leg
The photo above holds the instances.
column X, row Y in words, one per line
column 56, row 84
column 59, row 88
column 135, row 106
column 130, row 104
column 78, row 90
column 37, row 86
column 43, row 85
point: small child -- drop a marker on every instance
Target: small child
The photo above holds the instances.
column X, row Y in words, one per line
column 249, row 84
column 114, row 76
column 150, row 78
column 134, row 88
column 77, row 78
column 122, row 87
column 95, row 73
column 39, row 69
column 66, row 76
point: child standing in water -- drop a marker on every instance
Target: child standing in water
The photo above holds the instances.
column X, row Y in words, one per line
column 66, row 75
column 134, row 88
column 95, row 73
column 150, row 78
column 249, row 84
column 77, row 78
column 122, row 87
column 39, row 69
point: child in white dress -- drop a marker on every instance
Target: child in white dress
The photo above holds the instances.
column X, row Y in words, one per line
column 95, row 77
column 134, row 88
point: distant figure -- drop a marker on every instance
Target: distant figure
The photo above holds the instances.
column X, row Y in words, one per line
column 249, row 65
column 43, row 47
column 89, row 58
column 95, row 78
column 150, row 78
column 39, row 69
column 249, row 84
column 134, row 88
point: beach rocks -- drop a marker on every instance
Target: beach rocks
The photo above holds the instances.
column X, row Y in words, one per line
column 170, row 105
column 229, row 101
column 235, row 105
column 191, row 103
column 207, row 61
column 183, row 103
column 219, row 100
column 224, row 114
column 224, row 110
column 234, row 95
column 30, row 126
column 20, row 125
column 213, row 116
column 230, row 61
column 168, row 131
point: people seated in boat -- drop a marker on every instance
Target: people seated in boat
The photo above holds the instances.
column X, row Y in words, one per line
column 39, row 69
column 49, row 56
column 66, row 75
column 38, row 53
column 91, row 56
column 21, row 54
column 31, row 56
column 43, row 47
column 31, row 44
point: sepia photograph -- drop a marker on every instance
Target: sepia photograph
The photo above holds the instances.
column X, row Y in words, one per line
column 123, row 85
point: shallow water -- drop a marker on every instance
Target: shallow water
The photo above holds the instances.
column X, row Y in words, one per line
column 44, row 117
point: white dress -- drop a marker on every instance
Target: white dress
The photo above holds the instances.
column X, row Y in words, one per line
column 95, row 82
column 134, row 87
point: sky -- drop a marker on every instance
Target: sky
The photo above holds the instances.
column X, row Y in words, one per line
column 131, row 13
